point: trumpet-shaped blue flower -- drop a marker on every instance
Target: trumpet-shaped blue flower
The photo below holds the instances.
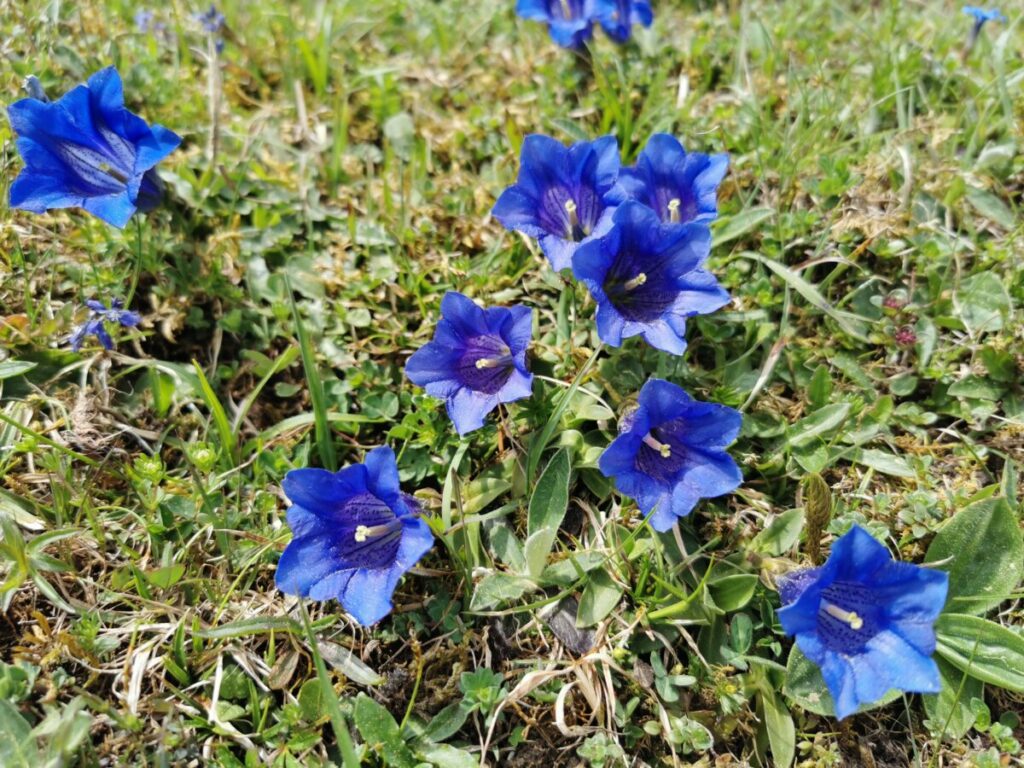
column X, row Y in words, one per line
column 670, row 453
column 476, row 360
column 87, row 150
column 564, row 196
column 99, row 315
column 679, row 186
column 570, row 22
column 983, row 15
column 617, row 17
column 647, row 278
column 866, row 620
column 354, row 533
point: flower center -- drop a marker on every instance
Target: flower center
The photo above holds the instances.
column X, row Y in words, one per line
column 364, row 532
column 113, row 172
column 636, row 282
column 566, row 10
column 573, row 229
column 663, row 449
column 673, row 210
column 851, row 618
column 492, row 362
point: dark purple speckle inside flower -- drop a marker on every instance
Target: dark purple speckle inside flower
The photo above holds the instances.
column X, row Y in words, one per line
column 486, row 364
column 368, row 533
column 848, row 616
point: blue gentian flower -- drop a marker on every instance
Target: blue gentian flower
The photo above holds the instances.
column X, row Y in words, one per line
column 144, row 19
column 354, row 533
column 147, row 22
column 866, row 620
column 670, row 453
column 647, row 278
column 212, row 20
column 564, row 195
column 87, row 150
column 982, row 15
column 99, row 315
column 476, row 360
column 617, row 17
column 679, row 186
column 570, row 22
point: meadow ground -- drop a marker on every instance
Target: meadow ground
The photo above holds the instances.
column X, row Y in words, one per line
column 339, row 163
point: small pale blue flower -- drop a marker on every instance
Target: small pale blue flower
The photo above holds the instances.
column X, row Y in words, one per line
column 99, row 315
column 983, row 15
column 617, row 17
column 670, row 453
column 648, row 278
column 87, row 150
column 564, row 196
column 679, row 186
column 866, row 620
column 476, row 360
column 570, row 22
column 211, row 20
column 354, row 534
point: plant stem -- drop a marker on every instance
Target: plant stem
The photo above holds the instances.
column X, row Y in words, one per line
column 138, row 262
column 538, row 446
column 338, row 723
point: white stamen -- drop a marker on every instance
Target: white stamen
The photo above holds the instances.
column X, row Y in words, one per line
column 663, row 448
column 673, row 210
column 574, row 220
column 488, row 362
column 849, row 617
column 636, row 282
column 364, row 532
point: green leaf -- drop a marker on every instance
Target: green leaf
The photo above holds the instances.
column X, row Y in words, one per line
column 11, row 368
column 220, row 418
column 854, row 325
column 781, row 534
column 732, row 592
column 983, row 649
column 781, row 731
column 821, row 422
column 550, row 499
column 447, row 756
column 448, row 721
column 983, row 303
column 985, row 549
column 806, row 686
column 350, row 665
column 548, row 506
column 381, row 733
column 992, row 207
column 732, row 228
column 17, row 746
column 166, row 577
column 497, row 588
column 600, row 597
column 950, row 710
column 311, row 700
column 884, row 462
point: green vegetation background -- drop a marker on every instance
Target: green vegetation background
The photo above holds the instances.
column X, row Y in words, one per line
column 353, row 150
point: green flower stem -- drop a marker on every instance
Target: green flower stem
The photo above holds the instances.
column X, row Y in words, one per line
column 338, row 723
column 540, row 443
